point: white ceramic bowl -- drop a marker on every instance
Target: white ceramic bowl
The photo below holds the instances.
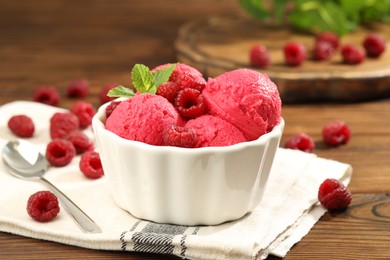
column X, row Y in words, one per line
column 200, row 186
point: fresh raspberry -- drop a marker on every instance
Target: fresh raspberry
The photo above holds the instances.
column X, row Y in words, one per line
column 352, row 54
column 375, row 45
column 190, row 80
column 103, row 93
column 90, row 165
column 333, row 195
column 185, row 76
column 80, row 141
column 336, row 133
column 323, row 50
column 301, row 142
column 60, row 152
column 84, row 111
column 48, row 95
column 190, row 103
column 110, row 108
column 259, row 56
column 329, row 37
column 62, row 123
column 179, row 136
column 21, row 125
column 43, row 206
column 294, row 53
column 78, row 88
column 169, row 90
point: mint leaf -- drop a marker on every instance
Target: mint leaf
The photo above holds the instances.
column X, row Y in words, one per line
column 143, row 79
column 162, row 75
column 120, row 91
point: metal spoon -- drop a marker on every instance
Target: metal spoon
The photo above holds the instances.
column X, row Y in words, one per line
column 23, row 160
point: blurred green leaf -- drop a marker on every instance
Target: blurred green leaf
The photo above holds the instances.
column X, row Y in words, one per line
column 255, row 8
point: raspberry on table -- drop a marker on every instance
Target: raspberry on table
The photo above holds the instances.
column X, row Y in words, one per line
column 323, row 50
column 110, row 108
column 62, row 123
column 21, row 125
column 48, row 95
column 103, row 93
column 84, row 111
column 301, row 142
column 80, row 141
column 330, row 38
column 60, row 152
column 374, row 45
column 190, row 103
column 168, row 90
column 259, row 56
column 294, row 53
column 77, row 88
column 43, row 206
column 352, row 54
column 336, row 133
column 180, row 136
column 90, row 165
column 333, row 195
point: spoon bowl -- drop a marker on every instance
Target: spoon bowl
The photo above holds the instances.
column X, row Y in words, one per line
column 23, row 160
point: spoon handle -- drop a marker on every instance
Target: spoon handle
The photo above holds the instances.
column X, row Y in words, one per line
column 82, row 219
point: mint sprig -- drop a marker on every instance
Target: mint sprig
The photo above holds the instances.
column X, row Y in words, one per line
column 144, row 80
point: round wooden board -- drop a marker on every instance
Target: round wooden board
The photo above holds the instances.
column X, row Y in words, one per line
column 219, row 44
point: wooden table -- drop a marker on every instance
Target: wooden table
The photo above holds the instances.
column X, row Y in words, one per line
column 51, row 42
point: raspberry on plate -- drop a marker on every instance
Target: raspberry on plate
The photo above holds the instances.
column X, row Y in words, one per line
column 294, row 53
column 259, row 56
column 62, row 123
column 330, row 38
column 84, row 111
column 48, row 95
column 190, row 103
column 90, row 165
column 21, row 125
column 352, row 54
column 78, row 88
column 80, row 141
column 60, row 152
column 375, row 45
column 179, row 136
column 43, row 206
column 323, row 50
column 301, row 142
column 336, row 133
column 333, row 195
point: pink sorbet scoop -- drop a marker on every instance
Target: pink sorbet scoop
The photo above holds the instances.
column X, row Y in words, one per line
column 247, row 99
column 214, row 131
column 143, row 118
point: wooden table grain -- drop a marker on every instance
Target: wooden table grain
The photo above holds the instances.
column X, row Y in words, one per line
column 51, row 42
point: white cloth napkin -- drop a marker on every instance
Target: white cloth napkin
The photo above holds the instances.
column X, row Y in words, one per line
column 287, row 212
